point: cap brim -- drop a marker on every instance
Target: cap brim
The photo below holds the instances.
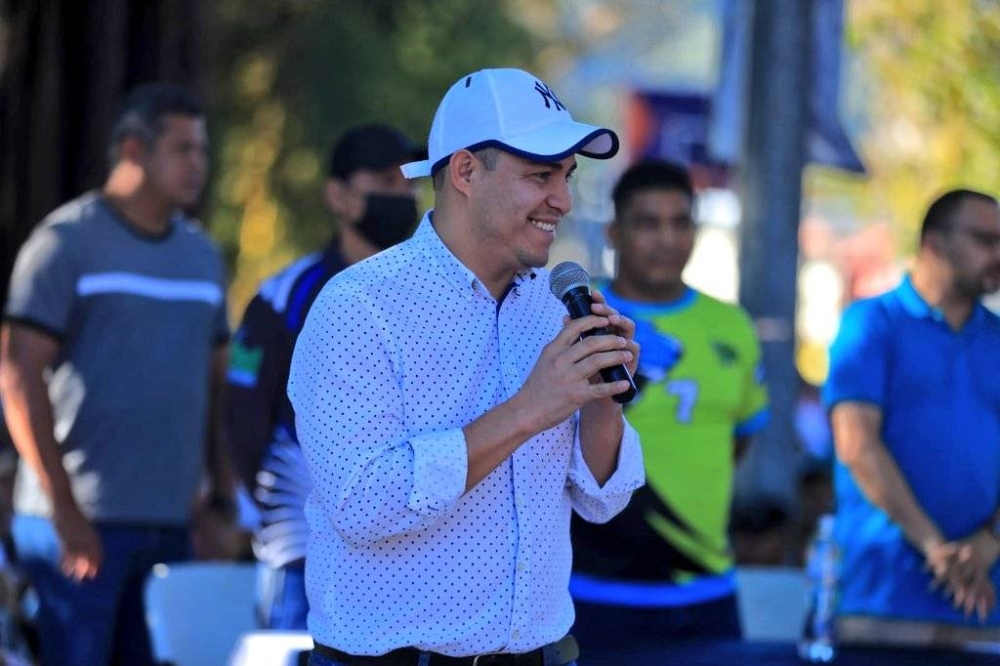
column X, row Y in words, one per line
column 556, row 142
column 548, row 143
column 416, row 169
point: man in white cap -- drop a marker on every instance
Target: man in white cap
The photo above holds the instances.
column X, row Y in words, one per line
column 451, row 416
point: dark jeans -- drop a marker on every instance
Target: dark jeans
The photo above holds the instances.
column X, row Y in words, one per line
column 281, row 596
column 103, row 620
column 602, row 629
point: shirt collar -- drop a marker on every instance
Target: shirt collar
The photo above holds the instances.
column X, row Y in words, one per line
column 457, row 273
column 640, row 309
column 918, row 308
column 914, row 303
column 439, row 256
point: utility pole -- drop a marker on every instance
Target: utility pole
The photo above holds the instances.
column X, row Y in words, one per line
column 771, row 189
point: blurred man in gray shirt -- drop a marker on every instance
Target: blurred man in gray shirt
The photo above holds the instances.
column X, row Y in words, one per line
column 113, row 345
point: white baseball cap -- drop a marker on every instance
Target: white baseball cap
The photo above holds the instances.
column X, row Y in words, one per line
column 512, row 110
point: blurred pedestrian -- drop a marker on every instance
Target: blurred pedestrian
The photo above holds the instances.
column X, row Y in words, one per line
column 914, row 396
column 662, row 569
column 113, row 351
column 375, row 208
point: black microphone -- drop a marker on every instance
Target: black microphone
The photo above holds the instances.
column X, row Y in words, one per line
column 571, row 285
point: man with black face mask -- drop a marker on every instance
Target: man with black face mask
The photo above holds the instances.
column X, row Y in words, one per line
column 375, row 208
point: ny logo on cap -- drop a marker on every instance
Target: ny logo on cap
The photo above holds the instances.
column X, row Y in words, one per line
column 548, row 95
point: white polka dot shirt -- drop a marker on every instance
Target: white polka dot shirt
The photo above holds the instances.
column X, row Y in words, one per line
column 398, row 354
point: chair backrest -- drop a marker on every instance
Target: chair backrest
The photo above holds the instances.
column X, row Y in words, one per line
column 772, row 602
column 196, row 611
column 271, row 647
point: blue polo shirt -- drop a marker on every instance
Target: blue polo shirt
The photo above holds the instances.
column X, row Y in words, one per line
column 939, row 392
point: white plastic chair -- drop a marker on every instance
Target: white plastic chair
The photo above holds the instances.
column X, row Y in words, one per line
column 271, row 648
column 772, row 602
column 196, row 611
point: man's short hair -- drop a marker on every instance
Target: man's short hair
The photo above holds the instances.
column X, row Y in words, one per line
column 651, row 174
column 488, row 156
column 941, row 213
column 142, row 111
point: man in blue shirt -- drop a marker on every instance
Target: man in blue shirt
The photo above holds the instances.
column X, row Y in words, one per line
column 914, row 398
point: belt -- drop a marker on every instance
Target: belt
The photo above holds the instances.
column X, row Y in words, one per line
column 563, row 651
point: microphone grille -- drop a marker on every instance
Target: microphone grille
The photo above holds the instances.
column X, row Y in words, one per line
column 566, row 276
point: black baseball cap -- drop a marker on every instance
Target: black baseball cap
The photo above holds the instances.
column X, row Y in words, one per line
column 374, row 146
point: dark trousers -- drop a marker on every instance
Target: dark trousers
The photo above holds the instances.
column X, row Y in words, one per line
column 103, row 620
column 602, row 630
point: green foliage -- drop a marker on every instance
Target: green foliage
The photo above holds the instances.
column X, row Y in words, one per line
column 288, row 76
column 932, row 100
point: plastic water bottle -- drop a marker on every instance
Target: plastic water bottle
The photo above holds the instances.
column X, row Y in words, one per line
column 817, row 644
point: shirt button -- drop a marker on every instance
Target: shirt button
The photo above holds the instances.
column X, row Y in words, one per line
column 515, row 634
column 520, row 566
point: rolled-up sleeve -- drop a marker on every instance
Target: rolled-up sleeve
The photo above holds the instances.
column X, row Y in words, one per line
column 372, row 479
column 598, row 503
column 440, row 468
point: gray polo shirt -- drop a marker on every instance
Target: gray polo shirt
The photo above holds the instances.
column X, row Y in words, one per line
column 137, row 318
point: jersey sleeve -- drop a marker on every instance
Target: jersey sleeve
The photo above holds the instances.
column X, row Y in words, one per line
column 255, row 382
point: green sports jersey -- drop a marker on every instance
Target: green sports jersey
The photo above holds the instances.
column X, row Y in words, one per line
column 701, row 385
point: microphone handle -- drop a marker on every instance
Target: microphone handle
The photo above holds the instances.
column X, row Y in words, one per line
column 578, row 302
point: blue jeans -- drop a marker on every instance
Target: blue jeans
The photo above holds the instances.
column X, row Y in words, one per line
column 103, row 620
column 281, row 596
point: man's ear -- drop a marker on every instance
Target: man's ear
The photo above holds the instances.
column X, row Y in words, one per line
column 335, row 197
column 462, row 166
column 934, row 241
column 131, row 149
column 611, row 232
column 346, row 203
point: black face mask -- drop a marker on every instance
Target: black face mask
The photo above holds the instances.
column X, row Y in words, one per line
column 388, row 219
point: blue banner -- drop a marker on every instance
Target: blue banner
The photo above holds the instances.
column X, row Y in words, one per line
column 826, row 141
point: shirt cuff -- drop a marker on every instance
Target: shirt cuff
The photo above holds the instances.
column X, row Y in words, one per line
column 440, row 469
column 629, row 473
